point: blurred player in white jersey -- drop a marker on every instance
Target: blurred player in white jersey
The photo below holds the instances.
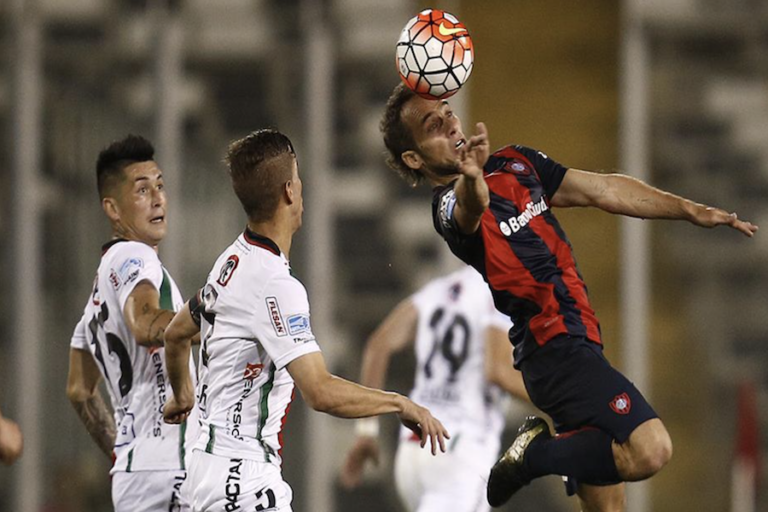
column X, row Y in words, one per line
column 120, row 338
column 257, row 341
column 463, row 357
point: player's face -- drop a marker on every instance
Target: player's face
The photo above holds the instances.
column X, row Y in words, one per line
column 141, row 204
column 437, row 133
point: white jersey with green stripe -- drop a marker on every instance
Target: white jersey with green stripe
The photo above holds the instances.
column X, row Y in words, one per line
column 135, row 376
column 454, row 313
column 254, row 321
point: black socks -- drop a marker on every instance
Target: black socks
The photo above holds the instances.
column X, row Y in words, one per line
column 585, row 455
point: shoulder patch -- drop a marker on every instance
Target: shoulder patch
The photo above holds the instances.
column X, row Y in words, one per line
column 225, row 274
column 298, row 324
column 130, row 270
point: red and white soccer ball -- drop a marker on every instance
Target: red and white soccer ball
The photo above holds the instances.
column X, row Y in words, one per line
column 434, row 54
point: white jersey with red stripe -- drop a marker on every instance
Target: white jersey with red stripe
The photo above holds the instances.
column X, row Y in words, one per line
column 255, row 320
column 454, row 313
column 135, row 376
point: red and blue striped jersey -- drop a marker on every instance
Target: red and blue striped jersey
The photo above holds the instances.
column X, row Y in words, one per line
column 521, row 250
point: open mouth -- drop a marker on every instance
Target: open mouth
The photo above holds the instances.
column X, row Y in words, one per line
column 157, row 220
column 460, row 143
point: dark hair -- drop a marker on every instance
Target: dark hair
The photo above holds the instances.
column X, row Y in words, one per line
column 116, row 157
column 259, row 166
column 397, row 136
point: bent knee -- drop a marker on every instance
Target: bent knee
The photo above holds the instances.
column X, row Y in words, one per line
column 649, row 449
column 652, row 456
column 655, row 457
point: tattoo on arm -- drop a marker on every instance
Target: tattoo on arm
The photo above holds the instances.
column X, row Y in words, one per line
column 98, row 421
column 156, row 338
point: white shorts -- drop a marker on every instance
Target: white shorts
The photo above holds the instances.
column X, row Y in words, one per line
column 149, row 491
column 221, row 484
column 455, row 480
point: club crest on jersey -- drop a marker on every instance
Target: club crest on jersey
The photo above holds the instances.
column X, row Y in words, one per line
column 252, row 371
column 517, row 167
column 130, row 270
column 621, row 404
column 298, row 323
column 275, row 317
column 225, row 274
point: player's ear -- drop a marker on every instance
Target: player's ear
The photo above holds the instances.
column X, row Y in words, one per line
column 111, row 208
column 412, row 159
column 289, row 192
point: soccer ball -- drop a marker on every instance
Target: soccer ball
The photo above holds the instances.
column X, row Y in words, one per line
column 434, row 54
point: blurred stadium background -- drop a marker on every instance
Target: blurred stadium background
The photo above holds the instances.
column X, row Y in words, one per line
column 675, row 91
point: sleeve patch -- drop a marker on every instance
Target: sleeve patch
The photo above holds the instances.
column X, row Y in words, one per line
column 447, row 204
column 274, row 315
column 130, row 270
column 298, row 324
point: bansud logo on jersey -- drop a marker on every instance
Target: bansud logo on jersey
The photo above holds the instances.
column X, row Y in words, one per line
column 516, row 223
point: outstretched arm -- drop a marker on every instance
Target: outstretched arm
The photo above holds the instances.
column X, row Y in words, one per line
column 339, row 397
column 625, row 195
column 85, row 397
column 178, row 340
column 472, row 195
column 395, row 333
column 498, row 364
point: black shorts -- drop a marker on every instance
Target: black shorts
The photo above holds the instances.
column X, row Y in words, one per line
column 570, row 380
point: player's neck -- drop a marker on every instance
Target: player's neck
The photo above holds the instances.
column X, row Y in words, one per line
column 120, row 234
column 276, row 232
column 438, row 179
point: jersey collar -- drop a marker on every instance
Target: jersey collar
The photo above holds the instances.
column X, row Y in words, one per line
column 107, row 246
column 258, row 240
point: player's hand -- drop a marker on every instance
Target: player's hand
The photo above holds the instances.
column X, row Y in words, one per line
column 177, row 410
column 365, row 448
column 11, row 441
column 474, row 154
column 710, row 217
column 424, row 425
